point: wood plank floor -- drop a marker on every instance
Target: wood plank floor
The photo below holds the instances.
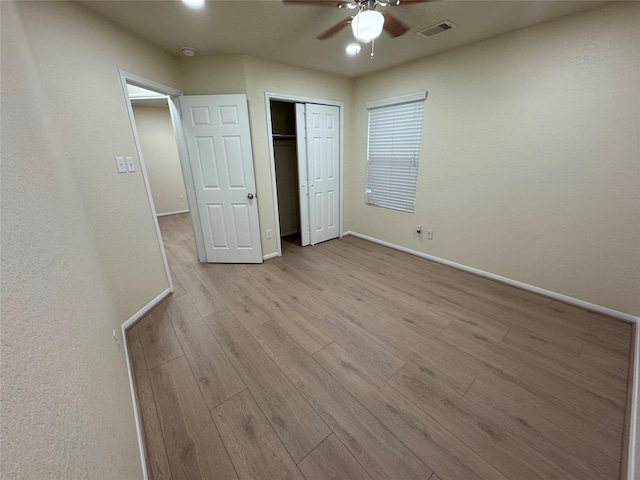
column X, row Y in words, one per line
column 349, row 360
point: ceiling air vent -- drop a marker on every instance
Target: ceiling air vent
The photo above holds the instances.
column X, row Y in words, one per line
column 435, row 29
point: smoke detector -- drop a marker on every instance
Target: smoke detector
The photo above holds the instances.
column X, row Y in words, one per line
column 188, row 51
column 436, row 29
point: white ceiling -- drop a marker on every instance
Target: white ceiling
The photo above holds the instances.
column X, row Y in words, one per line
column 286, row 33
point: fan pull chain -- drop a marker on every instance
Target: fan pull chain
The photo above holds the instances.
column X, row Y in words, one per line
column 373, row 48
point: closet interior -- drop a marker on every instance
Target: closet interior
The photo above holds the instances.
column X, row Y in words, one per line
column 283, row 126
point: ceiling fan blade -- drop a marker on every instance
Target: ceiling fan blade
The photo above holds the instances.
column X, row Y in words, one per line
column 323, row 3
column 335, row 29
column 393, row 25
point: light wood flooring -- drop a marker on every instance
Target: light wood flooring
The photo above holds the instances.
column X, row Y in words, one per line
column 349, row 360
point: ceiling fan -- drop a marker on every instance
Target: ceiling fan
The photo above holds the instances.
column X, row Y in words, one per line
column 368, row 21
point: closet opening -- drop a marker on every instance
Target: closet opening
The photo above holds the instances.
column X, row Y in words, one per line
column 285, row 152
column 306, row 169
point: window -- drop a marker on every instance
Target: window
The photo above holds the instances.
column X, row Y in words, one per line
column 393, row 153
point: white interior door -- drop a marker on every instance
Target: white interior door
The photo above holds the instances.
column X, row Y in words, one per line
column 323, row 169
column 216, row 129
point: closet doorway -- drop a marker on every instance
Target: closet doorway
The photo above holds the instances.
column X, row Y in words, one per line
column 306, row 161
column 285, row 155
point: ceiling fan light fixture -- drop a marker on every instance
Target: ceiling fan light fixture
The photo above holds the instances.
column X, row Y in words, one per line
column 194, row 3
column 352, row 49
column 367, row 25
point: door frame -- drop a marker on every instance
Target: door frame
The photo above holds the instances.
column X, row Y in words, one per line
column 297, row 99
column 173, row 96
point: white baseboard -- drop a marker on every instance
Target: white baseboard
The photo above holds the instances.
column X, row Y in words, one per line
column 128, row 324
column 171, row 213
column 524, row 286
column 136, row 414
column 633, row 417
column 270, row 255
column 146, row 309
column 635, row 387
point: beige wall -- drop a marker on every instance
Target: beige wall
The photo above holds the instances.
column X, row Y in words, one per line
column 530, row 160
column 218, row 75
column 160, row 152
column 79, row 252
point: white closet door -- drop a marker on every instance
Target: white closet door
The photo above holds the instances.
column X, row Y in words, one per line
column 303, row 178
column 323, row 169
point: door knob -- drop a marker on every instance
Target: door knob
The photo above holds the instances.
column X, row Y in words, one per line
column 250, row 196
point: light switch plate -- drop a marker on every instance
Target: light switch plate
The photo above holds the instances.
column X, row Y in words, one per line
column 121, row 164
column 130, row 165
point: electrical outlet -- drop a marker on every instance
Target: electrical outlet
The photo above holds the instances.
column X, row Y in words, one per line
column 268, row 233
column 419, row 230
column 116, row 338
column 429, row 234
column 182, row 198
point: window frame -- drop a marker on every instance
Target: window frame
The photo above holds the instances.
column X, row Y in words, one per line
column 411, row 145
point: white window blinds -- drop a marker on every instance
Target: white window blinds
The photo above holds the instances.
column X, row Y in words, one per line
column 393, row 153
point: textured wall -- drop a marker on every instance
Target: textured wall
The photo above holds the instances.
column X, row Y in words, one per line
column 160, row 152
column 530, row 162
column 79, row 253
column 219, row 75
